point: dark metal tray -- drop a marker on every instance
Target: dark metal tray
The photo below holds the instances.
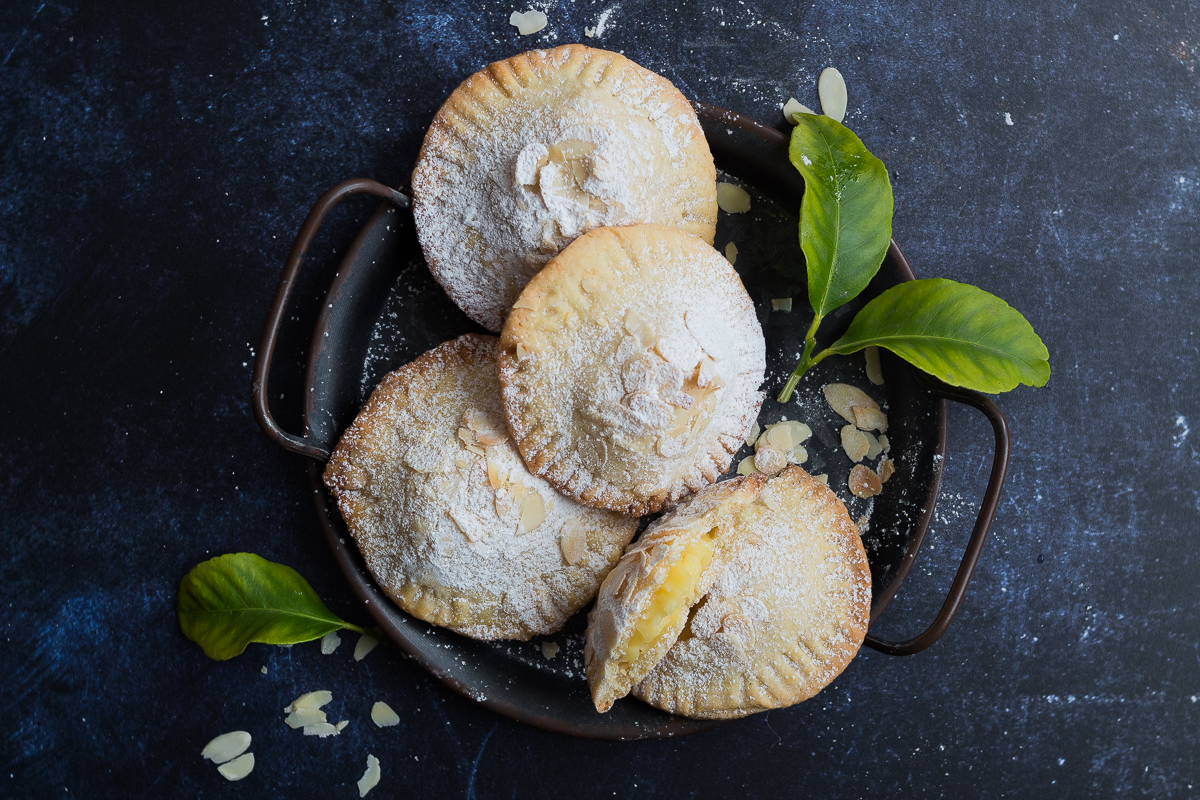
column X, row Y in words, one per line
column 383, row 309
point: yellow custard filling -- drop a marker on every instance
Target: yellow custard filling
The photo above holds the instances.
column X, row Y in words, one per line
column 669, row 602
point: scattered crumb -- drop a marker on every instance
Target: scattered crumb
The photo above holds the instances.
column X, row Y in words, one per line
column 526, row 23
column 549, row 649
column 330, row 642
column 1007, row 118
column 264, row 669
column 370, row 778
column 601, row 23
column 886, row 468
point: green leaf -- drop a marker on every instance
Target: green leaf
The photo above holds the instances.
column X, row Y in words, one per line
column 956, row 332
column 846, row 213
column 229, row 601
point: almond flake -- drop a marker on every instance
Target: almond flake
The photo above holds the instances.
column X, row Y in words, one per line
column 873, row 446
column 365, row 645
column 467, row 522
column 864, row 482
column 310, row 700
column 755, row 430
column 495, row 477
column 522, row 352
column 793, row 107
column 533, row 512
column 573, row 543
column 589, row 285
column 321, row 729
column 383, row 715
column 869, row 419
column 781, row 304
column 874, row 370
column 886, row 470
column 226, row 746
column 302, row 717
column 731, row 252
column 526, row 22
column 797, row 455
column 746, row 466
column 770, row 461
column 823, row 478
column 842, row 398
column 855, row 443
column 330, row 642
column 831, row 87
column 732, row 199
column 237, row 769
column 524, row 302
column 884, row 443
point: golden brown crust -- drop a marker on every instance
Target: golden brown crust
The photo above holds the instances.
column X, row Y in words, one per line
column 783, row 617
column 490, row 211
column 637, row 374
column 445, row 514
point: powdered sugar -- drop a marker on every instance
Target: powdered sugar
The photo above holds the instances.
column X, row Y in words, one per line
column 534, row 151
column 445, row 525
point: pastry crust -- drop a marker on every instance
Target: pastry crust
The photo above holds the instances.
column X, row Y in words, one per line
column 450, row 523
column 535, row 150
column 630, row 368
column 784, row 613
column 629, row 590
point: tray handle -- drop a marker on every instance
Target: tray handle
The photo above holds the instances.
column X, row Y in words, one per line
column 266, row 346
column 983, row 523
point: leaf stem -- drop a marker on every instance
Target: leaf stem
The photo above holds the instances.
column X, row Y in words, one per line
column 355, row 628
column 810, row 341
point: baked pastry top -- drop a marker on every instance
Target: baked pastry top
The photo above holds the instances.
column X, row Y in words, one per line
column 776, row 610
column 630, row 367
column 535, row 150
column 450, row 523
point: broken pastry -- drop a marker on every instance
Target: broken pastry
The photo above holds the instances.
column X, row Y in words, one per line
column 754, row 595
column 630, row 368
column 450, row 523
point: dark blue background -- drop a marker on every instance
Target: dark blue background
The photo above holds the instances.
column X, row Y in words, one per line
column 157, row 158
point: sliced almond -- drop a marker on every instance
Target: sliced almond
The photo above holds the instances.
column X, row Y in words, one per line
column 779, row 436
column 823, row 478
column 886, row 470
column 793, row 107
column 874, row 371
column 522, row 352
column 495, row 477
column 731, row 252
column 533, row 511
column 383, row 715
column 842, row 398
column 781, row 304
column 589, row 284
column 883, row 441
column 524, row 301
column 490, row 438
column 226, row 746
column 467, row 522
column 831, row 88
column 746, row 466
column 869, row 419
column 573, row 543
column 855, row 443
column 467, row 436
column 526, row 22
column 873, row 446
column 732, row 199
column 370, row 778
column 864, row 482
column 310, row 700
column 752, row 437
column 770, row 461
column 237, row 769
column 365, row 645
column 797, row 455
column 321, row 729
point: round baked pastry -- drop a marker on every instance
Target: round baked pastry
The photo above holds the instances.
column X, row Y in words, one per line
column 630, row 368
column 532, row 151
column 753, row 596
column 449, row 522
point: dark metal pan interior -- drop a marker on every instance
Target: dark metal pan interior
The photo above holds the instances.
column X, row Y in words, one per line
column 384, row 309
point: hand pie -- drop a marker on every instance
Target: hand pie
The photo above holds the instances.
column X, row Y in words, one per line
column 450, row 523
column 630, row 368
column 777, row 613
column 534, row 150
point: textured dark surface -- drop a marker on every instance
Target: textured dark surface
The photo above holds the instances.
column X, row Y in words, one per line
column 156, row 159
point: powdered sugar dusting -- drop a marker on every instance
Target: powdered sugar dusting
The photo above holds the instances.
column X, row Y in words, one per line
column 638, row 391
column 787, row 609
column 536, row 150
column 443, row 509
